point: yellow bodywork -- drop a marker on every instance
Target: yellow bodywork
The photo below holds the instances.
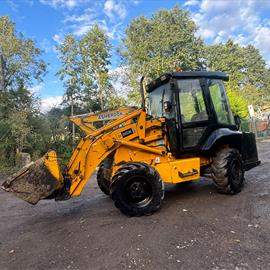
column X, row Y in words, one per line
column 87, row 122
column 52, row 165
column 170, row 169
column 132, row 138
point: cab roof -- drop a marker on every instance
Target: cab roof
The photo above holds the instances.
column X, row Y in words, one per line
column 186, row 75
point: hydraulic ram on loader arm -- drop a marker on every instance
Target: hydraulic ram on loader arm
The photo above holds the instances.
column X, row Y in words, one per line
column 43, row 179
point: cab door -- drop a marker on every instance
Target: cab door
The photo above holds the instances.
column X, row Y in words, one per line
column 194, row 113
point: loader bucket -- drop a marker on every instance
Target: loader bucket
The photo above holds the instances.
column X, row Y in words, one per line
column 38, row 180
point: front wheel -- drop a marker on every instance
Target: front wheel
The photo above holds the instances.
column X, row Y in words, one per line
column 228, row 171
column 137, row 189
column 103, row 179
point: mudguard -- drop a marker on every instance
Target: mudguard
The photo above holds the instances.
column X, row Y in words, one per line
column 249, row 150
column 245, row 142
column 221, row 133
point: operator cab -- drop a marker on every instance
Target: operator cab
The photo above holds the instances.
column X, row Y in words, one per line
column 194, row 105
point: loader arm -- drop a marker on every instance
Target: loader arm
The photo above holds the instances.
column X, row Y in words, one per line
column 43, row 179
column 129, row 130
column 87, row 122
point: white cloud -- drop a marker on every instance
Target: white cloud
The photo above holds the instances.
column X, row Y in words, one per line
column 83, row 28
column 115, row 9
column 50, row 102
column 135, row 2
column 69, row 4
column 87, row 15
column 81, row 23
column 191, row 3
column 240, row 20
column 261, row 39
column 108, row 14
column 36, row 89
column 58, row 39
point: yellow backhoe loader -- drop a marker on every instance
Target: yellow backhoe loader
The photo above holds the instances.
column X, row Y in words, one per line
column 188, row 131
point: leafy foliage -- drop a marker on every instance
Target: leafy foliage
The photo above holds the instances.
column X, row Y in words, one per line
column 159, row 44
column 249, row 76
column 21, row 65
column 69, row 71
column 20, row 61
column 239, row 105
column 95, row 55
column 85, row 70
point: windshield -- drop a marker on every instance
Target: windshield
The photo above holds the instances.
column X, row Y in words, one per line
column 157, row 98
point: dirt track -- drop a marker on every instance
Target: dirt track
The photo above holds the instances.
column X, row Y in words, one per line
column 197, row 228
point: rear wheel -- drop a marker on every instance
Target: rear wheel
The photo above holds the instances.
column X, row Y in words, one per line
column 137, row 189
column 227, row 171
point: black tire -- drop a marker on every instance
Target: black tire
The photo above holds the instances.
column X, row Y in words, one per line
column 228, row 171
column 137, row 189
column 103, row 179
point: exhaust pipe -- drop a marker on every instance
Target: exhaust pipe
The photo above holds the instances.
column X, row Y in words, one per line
column 142, row 93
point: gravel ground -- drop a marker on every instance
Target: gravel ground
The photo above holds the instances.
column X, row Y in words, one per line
column 197, row 228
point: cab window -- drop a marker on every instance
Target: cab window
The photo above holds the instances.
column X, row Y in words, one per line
column 161, row 102
column 192, row 103
column 220, row 102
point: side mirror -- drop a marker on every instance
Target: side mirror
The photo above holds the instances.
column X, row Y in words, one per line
column 237, row 121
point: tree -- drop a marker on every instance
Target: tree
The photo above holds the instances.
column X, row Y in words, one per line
column 20, row 61
column 228, row 58
column 69, row 73
column 85, row 70
column 159, row 44
column 22, row 127
column 239, row 105
column 19, row 128
column 20, row 66
column 95, row 54
column 255, row 67
column 247, row 71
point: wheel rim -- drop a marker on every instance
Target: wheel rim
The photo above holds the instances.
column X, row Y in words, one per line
column 138, row 191
column 236, row 172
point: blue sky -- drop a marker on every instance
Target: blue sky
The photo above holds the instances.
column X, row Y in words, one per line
column 48, row 21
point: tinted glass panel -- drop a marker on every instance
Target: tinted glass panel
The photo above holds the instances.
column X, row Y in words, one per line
column 220, row 102
column 157, row 98
column 191, row 136
column 191, row 101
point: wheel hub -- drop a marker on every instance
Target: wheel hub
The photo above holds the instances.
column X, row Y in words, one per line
column 139, row 190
